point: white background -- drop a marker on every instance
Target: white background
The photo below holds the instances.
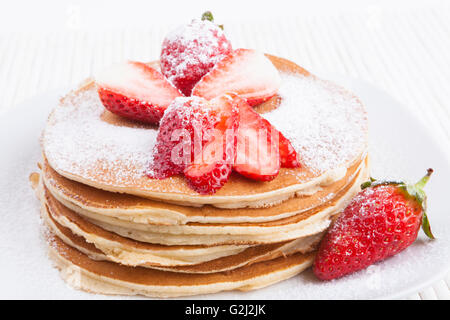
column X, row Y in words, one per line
column 401, row 47
column 36, row 16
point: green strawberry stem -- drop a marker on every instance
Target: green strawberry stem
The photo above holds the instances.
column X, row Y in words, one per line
column 420, row 194
column 207, row 15
column 422, row 182
column 426, row 226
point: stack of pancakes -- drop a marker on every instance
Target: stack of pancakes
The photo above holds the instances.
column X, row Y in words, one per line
column 113, row 230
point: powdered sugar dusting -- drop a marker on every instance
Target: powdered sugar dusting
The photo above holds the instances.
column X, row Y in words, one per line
column 200, row 40
column 77, row 140
column 190, row 51
column 180, row 104
column 326, row 125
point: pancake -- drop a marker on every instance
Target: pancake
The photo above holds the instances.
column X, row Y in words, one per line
column 138, row 210
column 303, row 225
column 83, row 142
column 225, row 263
column 225, row 228
column 105, row 277
column 99, row 244
column 121, row 249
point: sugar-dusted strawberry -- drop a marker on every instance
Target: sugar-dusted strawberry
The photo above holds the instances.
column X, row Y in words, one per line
column 135, row 91
column 212, row 166
column 382, row 220
column 191, row 50
column 246, row 72
column 257, row 150
column 190, row 131
column 179, row 134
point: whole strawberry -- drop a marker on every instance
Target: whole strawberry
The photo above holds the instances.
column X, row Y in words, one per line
column 382, row 220
column 191, row 50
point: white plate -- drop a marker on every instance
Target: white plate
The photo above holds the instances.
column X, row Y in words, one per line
column 400, row 147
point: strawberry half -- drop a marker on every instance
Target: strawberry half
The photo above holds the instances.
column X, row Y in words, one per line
column 135, row 91
column 245, row 72
column 257, row 150
column 212, row 166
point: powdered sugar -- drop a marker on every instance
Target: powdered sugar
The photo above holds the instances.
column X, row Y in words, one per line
column 325, row 124
column 190, row 51
column 77, row 140
column 200, row 39
column 179, row 104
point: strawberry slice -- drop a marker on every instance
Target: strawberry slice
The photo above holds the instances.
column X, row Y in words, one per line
column 211, row 174
column 212, row 167
column 135, row 91
column 288, row 155
column 257, row 150
column 246, row 72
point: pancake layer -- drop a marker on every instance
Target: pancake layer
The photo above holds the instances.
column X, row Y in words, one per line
column 232, row 261
column 111, row 278
column 146, row 211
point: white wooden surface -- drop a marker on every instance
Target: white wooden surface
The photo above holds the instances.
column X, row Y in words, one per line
column 404, row 51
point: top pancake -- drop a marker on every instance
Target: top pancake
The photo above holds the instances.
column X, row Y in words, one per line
column 326, row 125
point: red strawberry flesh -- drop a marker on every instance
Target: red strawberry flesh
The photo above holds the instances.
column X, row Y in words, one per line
column 288, row 155
column 257, row 150
column 211, row 168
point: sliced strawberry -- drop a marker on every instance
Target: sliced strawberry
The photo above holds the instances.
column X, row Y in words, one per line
column 257, row 150
column 288, row 155
column 210, row 175
column 212, row 166
column 208, row 178
column 246, row 72
column 135, row 91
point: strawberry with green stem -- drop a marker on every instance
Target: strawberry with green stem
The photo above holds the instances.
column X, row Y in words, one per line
column 191, row 50
column 382, row 220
